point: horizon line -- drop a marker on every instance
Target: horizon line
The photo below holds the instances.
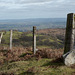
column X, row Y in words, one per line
column 32, row 18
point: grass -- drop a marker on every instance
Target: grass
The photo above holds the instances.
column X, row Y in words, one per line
column 30, row 34
column 16, row 34
column 21, row 61
column 43, row 63
column 43, row 67
column 51, row 40
column 44, row 46
column 6, row 36
column 25, row 39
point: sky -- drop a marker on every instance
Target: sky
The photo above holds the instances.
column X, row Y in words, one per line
column 23, row 9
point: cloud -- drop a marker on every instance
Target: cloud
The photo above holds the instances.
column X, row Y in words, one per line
column 23, row 1
column 18, row 4
column 36, row 8
column 13, row 4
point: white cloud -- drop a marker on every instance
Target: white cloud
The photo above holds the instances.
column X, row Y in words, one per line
column 31, row 8
column 18, row 4
column 13, row 4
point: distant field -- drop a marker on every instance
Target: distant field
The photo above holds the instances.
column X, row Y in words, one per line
column 27, row 24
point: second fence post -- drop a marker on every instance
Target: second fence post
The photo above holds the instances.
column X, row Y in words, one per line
column 10, row 39
column 34, row 39
column 1, row 37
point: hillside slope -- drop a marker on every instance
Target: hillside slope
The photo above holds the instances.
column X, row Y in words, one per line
column 51, row 38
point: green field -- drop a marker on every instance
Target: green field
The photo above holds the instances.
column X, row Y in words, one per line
column 25, row 39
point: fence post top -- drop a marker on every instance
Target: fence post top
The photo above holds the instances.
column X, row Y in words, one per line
column 10, row 30
column 70, row 13
column 34, row 26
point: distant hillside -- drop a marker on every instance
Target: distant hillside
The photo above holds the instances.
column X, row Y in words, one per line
column 27, row 24
column 46, row 38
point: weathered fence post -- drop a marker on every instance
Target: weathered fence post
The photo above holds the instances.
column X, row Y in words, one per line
column 69, row 37
column 1, row 37
column 34, row 39
column 10, row 39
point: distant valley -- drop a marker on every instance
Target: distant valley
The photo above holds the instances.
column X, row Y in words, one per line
column 27, row 24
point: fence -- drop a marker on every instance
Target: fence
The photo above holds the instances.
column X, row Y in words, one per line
column 69, row 36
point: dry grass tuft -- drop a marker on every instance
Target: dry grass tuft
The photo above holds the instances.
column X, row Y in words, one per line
column 73, row 66
column 6, row 74
column 18, row 54
column 49, row 53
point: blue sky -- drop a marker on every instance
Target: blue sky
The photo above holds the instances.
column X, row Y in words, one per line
column 22, row 9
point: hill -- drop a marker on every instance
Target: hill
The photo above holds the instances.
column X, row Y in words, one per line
column 51, row 38
column 21, row 60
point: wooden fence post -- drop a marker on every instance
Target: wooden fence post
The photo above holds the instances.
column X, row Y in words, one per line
column 69, row 36
column 34, row 39
column 1, row 37
column 10, row 39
